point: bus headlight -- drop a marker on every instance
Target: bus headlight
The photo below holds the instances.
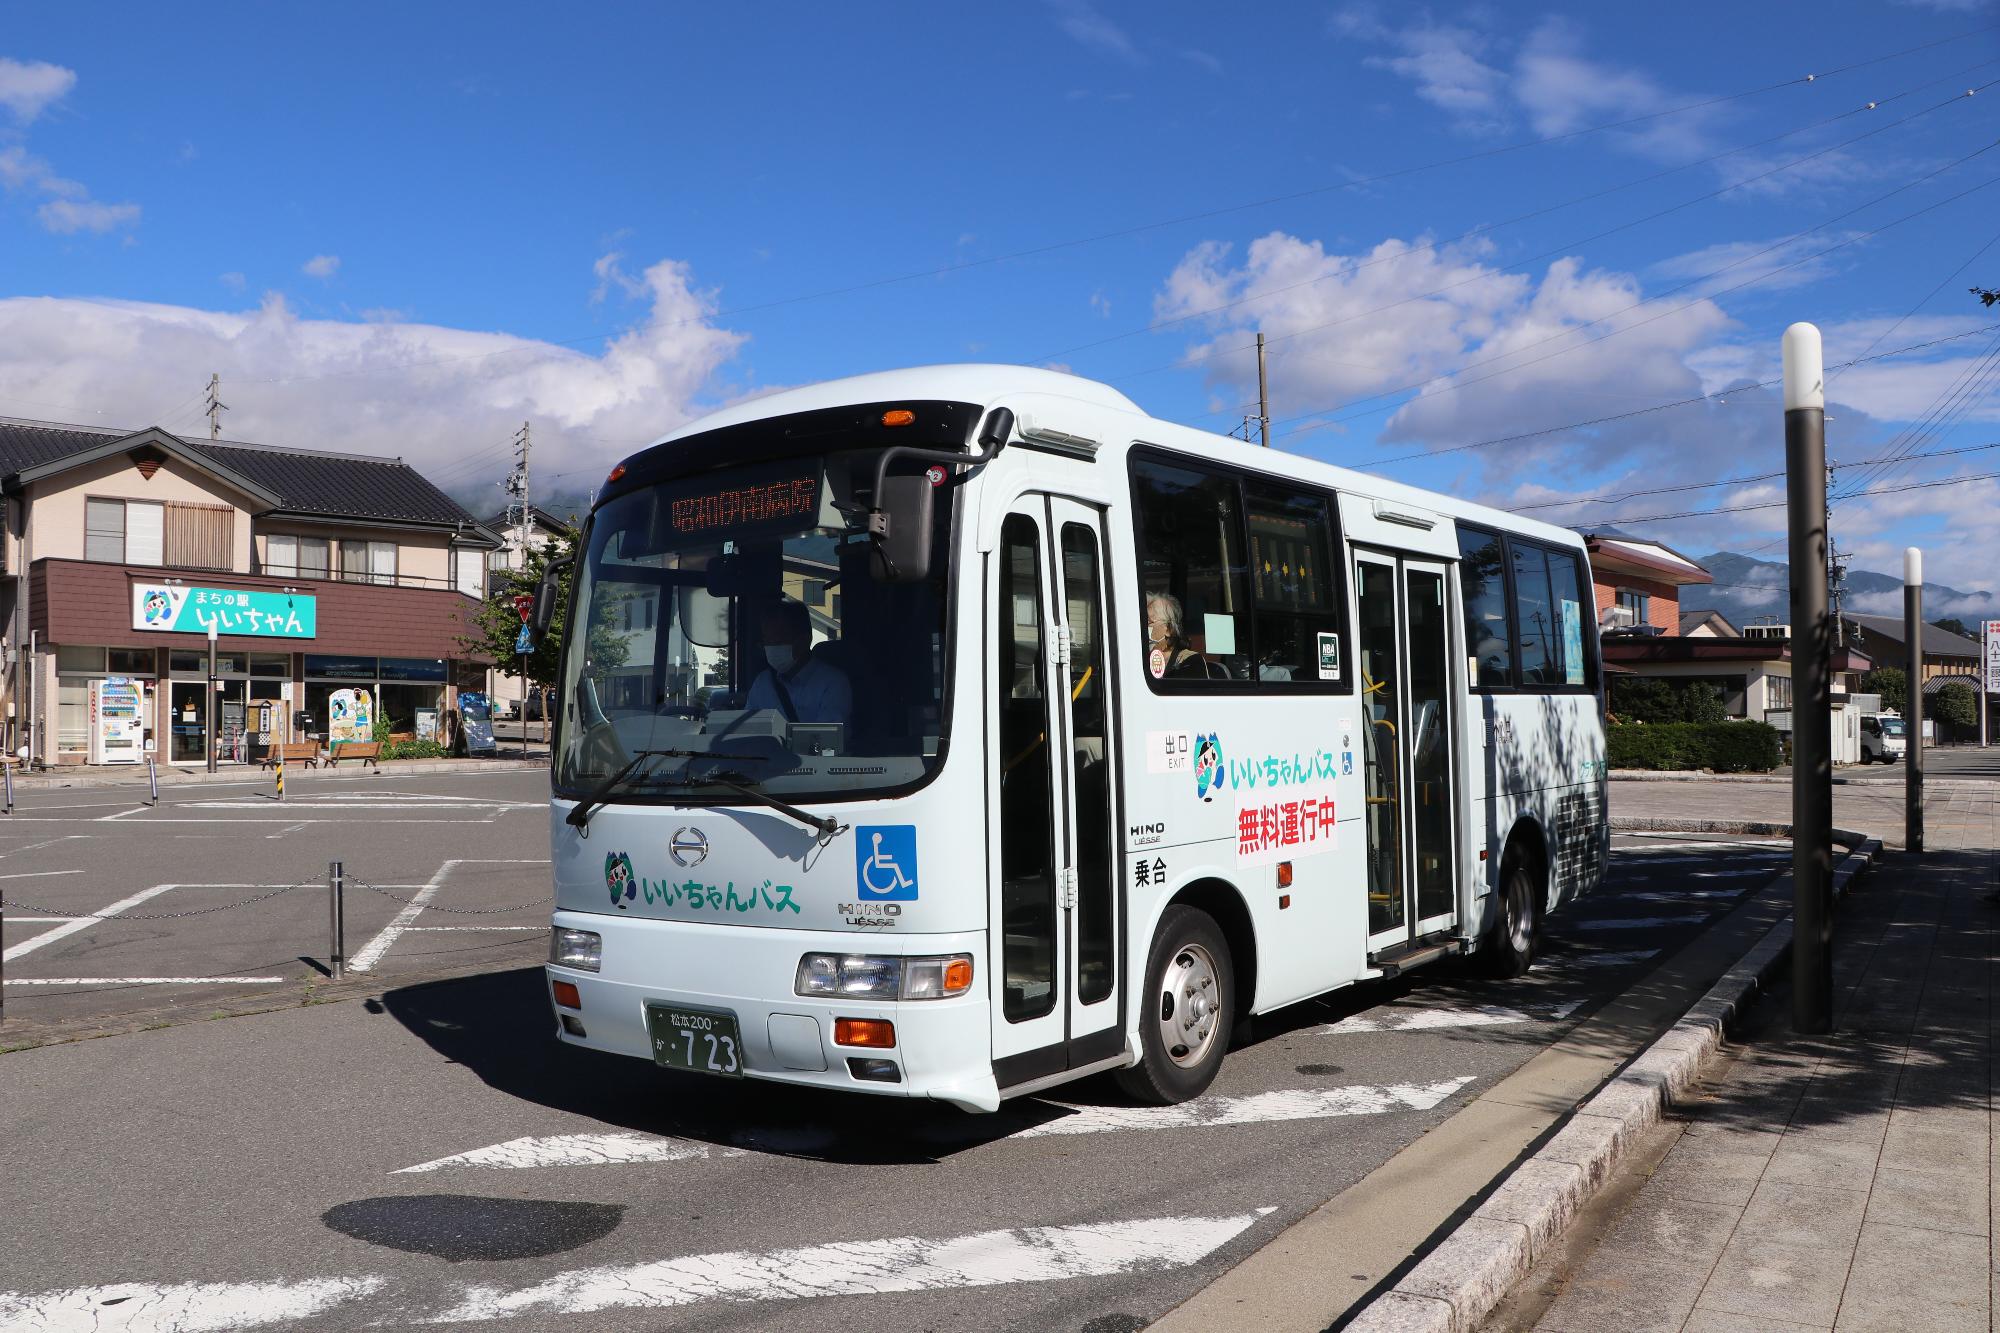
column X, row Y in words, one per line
column 580, row 949
column 880, row 977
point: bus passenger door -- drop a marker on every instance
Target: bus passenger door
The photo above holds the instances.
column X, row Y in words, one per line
column 1053, row 918
column 1409, row 746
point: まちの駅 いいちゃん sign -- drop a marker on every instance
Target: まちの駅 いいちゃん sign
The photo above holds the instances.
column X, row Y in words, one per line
column 186, row 610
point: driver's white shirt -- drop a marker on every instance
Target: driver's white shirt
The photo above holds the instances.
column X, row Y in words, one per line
column 820, row 693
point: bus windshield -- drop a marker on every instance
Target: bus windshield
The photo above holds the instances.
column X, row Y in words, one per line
column 730, row 625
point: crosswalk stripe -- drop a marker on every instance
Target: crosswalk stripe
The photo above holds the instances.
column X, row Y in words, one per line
column 866, row 1267
column 577, row 1150
column 1257, row 1108
column 1390, row 1019
column 183, row 1307
column 143, row 981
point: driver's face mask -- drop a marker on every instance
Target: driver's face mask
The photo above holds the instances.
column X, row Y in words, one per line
column 780, row 656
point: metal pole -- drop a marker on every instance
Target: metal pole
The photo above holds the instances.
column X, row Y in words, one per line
column 7, row 772
column 1913, row 757
column 208, row 718
column 153, row 778
column 1812, row 716
column 281, row 772
column 336, row 922
column 1263, row 398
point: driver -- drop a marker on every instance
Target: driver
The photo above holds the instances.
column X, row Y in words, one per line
column 803, row 688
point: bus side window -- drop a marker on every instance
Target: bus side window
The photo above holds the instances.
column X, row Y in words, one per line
column 1192, row 575
column 1576, row 633
column 1535, row 617
column 1482, row 580
column 1295, row 586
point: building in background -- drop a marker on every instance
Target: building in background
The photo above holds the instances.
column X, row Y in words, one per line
column 1882, row 638
column 524, row 528
column 1639, row 583
column 322, row 573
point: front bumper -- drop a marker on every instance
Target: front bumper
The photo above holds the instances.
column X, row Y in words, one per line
column 943, row 1047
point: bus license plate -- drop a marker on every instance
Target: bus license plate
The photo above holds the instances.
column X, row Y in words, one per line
column 703, row 1041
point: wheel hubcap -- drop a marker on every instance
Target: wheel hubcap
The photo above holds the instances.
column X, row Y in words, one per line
column 1520, row 918
column 1190, row 1008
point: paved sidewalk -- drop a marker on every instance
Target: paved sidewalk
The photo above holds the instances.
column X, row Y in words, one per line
column 1838, row 1182
column 1958, row 814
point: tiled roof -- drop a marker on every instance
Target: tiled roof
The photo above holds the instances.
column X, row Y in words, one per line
column 1937, row 642
column 305, row 482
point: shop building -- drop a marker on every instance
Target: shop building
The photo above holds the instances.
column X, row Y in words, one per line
column 327, row 578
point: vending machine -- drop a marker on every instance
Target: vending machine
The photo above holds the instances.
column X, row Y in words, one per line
column 117, row 721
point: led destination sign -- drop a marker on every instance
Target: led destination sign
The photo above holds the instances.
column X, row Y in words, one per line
column 746, row 500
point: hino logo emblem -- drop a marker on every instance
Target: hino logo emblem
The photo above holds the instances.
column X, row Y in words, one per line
column 688, row 847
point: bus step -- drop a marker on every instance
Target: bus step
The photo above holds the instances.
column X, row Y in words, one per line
column 1403, row 957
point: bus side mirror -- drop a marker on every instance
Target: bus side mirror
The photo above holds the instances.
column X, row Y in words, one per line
column 901, row 526
column 546, row 592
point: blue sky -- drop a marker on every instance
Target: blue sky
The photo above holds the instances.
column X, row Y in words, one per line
column 407, row 229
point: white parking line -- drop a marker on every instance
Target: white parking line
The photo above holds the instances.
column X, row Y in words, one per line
column 578, row 1150
column 49, row 937
column 186, row 1307
column 144, row 981
column 866, row 1267
column 414, row 929
column 1409, row 1019
column 372, row 952
column 39, row 874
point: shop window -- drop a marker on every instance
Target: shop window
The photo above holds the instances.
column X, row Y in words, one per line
column 80, row 659
column 183, row 663
column 133, row 662
column 325, row 666
column 271, row 664
column 125, row 532
column 469, row 571
column 413, row 668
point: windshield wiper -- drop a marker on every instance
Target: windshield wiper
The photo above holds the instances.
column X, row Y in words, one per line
column 824, row 825
column 580, row 816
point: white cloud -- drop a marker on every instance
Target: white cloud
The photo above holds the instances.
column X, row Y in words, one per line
column 610, row 272
column 1796, row 261
column 68, row 207
column 436, row 396
column 321, row 266
column 65, row 217
column 1081, row 21
column 27, row 88
column 1445, row 63
column 233, row 281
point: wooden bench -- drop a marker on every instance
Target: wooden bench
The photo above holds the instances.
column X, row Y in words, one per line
column 292, row 752
column 368, row 752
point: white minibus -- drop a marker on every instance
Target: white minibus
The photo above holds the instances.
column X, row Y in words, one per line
column 960, row 731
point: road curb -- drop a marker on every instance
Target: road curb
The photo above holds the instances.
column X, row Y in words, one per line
column 1460, row 1281
column 175, row 777
column 1775, row 780
column 1738, row 827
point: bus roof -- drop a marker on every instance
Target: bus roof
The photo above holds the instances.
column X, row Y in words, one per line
column 1085, row 407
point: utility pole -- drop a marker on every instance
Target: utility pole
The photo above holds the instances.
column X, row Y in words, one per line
column 1836, row 576
column 216, row 407
column 1812, row 718
column 1913, row 723
column 521, row 519
column 1263, row 400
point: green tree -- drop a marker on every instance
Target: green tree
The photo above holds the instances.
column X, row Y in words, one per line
column 1954, row 625
column 1954, row 705
column 1702, row 702
column 496, row 625
column 1655, row 701
column 1892, row 684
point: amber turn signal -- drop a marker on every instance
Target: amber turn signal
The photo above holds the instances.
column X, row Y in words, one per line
column 877, row 1032
column 1284, row 874
column 616, row 473
column 901, row 416
column 958, row 976
column 565, row 993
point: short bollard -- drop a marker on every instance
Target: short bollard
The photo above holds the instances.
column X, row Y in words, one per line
column 336, row 890
column 281, row 772
column 153, row 778
column 7, row 773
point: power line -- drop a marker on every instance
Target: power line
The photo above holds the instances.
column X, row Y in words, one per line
column 1762, row 277
column 1485, row 228
column 1179, row 220
column 1780, row 504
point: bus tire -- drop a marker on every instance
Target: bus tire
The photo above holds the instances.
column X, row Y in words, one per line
column 1515, row 936
column 1186, row 1010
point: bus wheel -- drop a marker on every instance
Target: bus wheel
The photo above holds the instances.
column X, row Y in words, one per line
column 1186, row 1010
column 1511, row 950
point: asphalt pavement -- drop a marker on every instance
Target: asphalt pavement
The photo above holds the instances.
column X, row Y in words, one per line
column 429, row 1153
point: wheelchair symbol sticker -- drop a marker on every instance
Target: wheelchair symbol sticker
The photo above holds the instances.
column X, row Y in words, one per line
column 885, row 862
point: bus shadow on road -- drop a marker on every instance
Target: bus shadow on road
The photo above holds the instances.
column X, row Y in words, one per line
column 497, row 1024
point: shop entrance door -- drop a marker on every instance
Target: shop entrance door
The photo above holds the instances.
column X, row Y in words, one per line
column 188, row 726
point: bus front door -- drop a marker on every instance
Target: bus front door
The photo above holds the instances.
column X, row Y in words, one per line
column 1056, row 907
column 1409, row 744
